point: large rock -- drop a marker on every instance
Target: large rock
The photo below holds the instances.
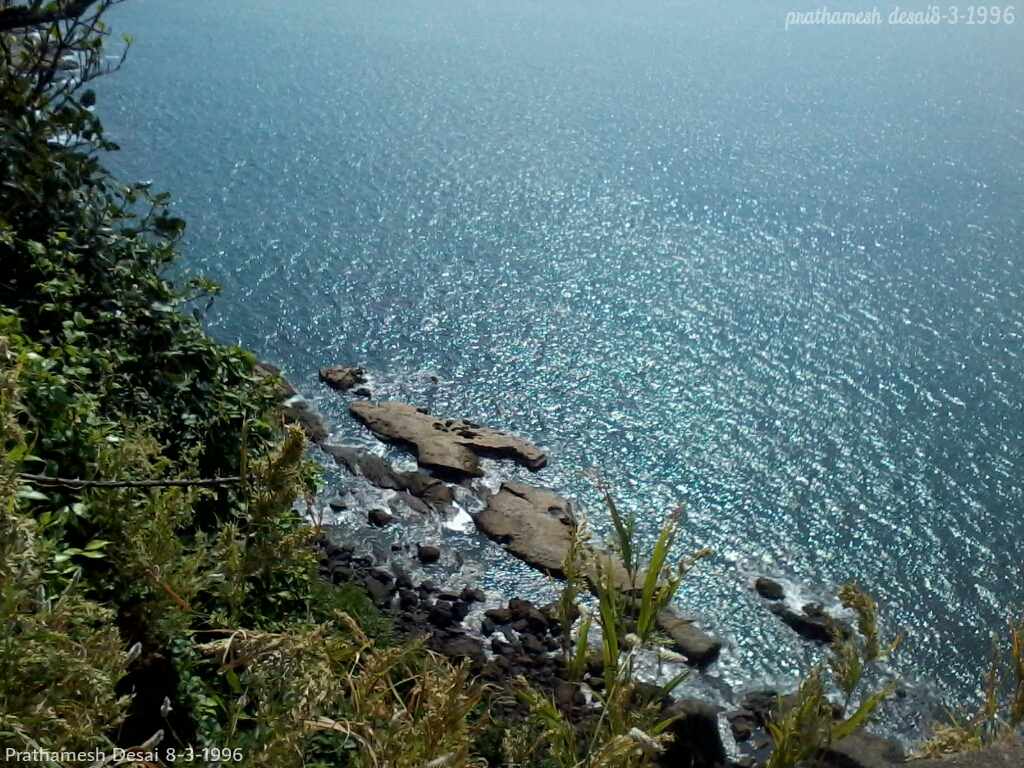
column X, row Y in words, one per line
column 380, row 473
column 862, row 750
column 699, row 647
column 696, row 741
column 341, row 378
column 533, row 524
column 999, row 756
column 449, row 447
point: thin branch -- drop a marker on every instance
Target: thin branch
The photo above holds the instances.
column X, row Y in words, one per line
column 75, row 483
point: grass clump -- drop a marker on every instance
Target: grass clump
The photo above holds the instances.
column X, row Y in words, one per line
column 1001, row 714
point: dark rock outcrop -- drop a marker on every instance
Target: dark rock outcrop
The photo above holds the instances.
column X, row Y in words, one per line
column 449, row 447
column 341, row 378
column 285, row 389
column 812, row 623
column 862, row 750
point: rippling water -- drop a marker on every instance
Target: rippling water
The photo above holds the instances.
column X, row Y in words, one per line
column 776, row 275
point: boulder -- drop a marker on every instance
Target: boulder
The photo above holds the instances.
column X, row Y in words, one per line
column 427, row 554
column 769, row 589
column 449, row 447
column 533, row 524
column 379, row 518
column 696, row 741
column 462, row 647
column 341, row 378
column 699, row 647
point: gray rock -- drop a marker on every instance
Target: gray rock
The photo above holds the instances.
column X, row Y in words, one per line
column 699, row 647
column 696, row 742
column 285, row 389
column 337, row 504
column 450, row 447
column 742, row 722
column 769, row 589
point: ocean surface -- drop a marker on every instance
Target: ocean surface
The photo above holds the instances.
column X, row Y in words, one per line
column 777, row 276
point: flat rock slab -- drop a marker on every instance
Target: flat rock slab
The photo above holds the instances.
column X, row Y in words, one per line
column 380, row 473
column 533, row 524
column 450, row 447
column 537, row 526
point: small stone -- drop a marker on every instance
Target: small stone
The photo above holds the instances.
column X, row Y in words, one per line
column 428, row 555
column 473, row 595
column 460, row 610
column 337, row 504
column 487, row 626
column 362, row 392
column 597, row 683
column 379, row 518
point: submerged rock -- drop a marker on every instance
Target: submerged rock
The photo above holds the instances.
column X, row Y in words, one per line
column 428, row 555
column 381, row 474
column 450, row 447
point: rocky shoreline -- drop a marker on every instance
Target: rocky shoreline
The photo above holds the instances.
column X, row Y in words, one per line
column 520, row 639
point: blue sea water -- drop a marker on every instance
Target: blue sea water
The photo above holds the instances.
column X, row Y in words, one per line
column 778, row 276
